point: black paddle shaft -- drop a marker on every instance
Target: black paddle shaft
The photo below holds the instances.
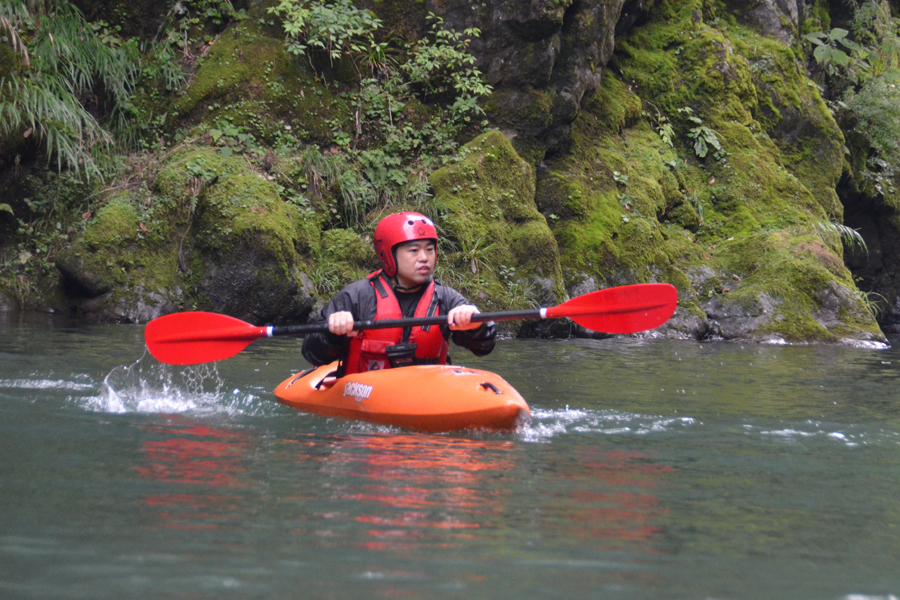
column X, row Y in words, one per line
column 322, row 326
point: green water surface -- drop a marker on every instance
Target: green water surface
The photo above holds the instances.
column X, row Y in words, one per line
column 650, row 469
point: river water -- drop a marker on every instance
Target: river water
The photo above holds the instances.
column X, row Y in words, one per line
column 650, row 469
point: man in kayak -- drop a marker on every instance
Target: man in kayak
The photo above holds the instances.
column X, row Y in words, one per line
column 406, row 244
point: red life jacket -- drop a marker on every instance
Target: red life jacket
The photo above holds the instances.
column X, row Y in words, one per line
column 368, row 349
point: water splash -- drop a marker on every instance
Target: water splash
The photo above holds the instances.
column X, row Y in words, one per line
column 148, row 386
column 546, row 424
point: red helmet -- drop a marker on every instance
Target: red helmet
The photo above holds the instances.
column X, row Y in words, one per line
column 399, row 228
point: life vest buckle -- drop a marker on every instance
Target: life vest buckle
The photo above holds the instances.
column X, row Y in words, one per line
column 402, row 354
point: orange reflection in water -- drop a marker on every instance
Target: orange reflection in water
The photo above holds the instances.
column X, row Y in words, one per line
column 430, row 489
column 613, row 500
column 197, row 455
column 416, row 490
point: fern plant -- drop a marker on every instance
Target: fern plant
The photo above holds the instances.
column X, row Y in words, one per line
column 831, row 232
column 62, row 63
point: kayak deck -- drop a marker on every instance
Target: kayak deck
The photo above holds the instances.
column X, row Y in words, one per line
column 427, row 397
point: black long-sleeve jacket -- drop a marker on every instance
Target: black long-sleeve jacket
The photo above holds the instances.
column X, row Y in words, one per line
column 359, row 299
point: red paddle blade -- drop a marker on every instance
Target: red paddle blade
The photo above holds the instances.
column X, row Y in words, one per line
column 191, row 338
column 625, row 309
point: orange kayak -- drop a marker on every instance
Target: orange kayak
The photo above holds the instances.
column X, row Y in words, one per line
column 427, row 397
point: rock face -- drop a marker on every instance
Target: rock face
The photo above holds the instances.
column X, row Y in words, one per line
column 544, row 59
column 776, row 18
column 216, row 236
column 876, row 266
column 6, row 303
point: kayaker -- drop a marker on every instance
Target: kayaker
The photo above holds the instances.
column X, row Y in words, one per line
column 406, row 245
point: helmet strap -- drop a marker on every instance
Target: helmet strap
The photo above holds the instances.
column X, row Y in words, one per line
column 395, row 283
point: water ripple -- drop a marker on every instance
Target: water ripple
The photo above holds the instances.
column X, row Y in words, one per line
column 850, row 435
column 44, row 384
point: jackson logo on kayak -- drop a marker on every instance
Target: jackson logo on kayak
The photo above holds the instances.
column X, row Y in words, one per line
column 360, row 391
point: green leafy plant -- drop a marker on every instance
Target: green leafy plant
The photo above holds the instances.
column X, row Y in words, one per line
column 411, row 104
column 666, row 132
column 875, row 110
column 325, row 279
column 233, row 139
column 871, row 50
column 661, row 124
column 475, row 255
column 65, row 62
column 516, row 289
column 833, row 49
column 441, row 65
column 694, row 200
column 863, row 66
column 334, row 27
column 439, row 70
column 194, row 21
column 704, row 138
column 409, row 108
column 45, row 219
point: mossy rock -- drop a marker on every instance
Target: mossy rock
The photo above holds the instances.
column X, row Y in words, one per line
column 245, row 249
column 405, row 19
column 116, row 270
column 624, row 184
column 248, row 79
column 614, row 106
column 683, row 63
column 796, row 118
column 502, row 249
column 562, row 197
column 528, row 113
column 190, row 170
column 793, row 288
column 346, row 256
column 216, row 236
column 245, row 207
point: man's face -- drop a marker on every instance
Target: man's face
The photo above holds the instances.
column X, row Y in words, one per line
column 415, row 262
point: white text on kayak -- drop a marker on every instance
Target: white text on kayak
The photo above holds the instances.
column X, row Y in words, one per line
column 360, row 391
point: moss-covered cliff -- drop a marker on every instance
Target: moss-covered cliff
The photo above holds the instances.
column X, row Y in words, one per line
column 683, row 142
column 708, row 161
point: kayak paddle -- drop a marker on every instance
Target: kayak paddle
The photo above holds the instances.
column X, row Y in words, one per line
column 190, row 338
